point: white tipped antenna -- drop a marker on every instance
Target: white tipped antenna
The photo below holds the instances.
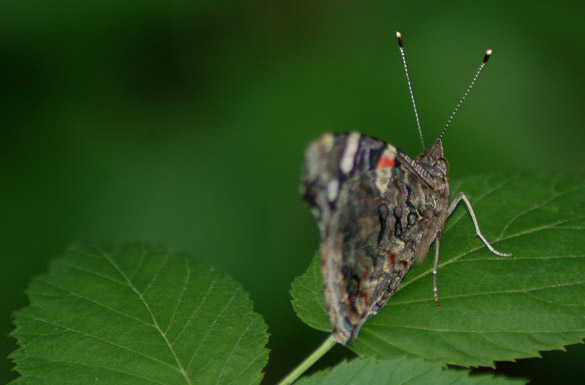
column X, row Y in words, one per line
column 487, row 55
column 399, row 36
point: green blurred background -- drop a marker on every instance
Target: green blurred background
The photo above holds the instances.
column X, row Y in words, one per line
column 184, row 123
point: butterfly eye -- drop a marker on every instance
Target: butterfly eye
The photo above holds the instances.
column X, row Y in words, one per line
column 442, row 166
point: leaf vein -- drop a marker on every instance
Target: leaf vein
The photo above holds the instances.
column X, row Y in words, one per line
column 519, row 291
column 453, row 347
column 154, row 277
column 99, row 367
column 186, row 283
column 413, row 378
column 85, row 334
column 212, row 326
column 95, row 273
column 252, row 362
column 195, row 312
column 139, row 265
column 149, row 310
column 536, row 207
column 540, row 228
column 476, row 201
column 98, row 303
column 235, row 347
column 531, row 295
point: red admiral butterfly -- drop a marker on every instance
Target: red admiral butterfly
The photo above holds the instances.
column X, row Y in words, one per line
column 378, row 212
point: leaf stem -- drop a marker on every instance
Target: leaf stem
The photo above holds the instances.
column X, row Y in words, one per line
column 309, row 361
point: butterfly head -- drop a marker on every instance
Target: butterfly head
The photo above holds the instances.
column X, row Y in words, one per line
column 433, row 160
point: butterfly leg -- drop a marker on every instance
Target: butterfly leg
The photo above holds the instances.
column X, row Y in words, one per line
column 462, row 197
column 436, row 270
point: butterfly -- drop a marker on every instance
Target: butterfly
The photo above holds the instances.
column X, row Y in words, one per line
column 378, row 212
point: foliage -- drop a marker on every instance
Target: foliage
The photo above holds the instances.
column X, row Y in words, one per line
column 138, row 314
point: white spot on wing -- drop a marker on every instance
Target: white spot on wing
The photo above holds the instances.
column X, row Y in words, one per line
column 332, row 190
column 348, row 158
column 390, row 151
column 382, row 180
column 327, row 140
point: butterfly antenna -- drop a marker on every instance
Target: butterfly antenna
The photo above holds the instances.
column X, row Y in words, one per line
column 401, row 47
column 487, row 55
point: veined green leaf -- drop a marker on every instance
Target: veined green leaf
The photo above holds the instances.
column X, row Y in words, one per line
column 399, row 371
column 136, row 314
column 492, row 308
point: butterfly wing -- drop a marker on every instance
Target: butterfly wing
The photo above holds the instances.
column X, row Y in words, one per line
column 376, row 215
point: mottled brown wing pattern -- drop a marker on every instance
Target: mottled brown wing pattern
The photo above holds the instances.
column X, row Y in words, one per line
column 377, row 216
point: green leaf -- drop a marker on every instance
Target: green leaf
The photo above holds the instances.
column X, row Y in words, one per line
column 398, row 371
column 136, row 314
column 492, row 308
column 308, row 301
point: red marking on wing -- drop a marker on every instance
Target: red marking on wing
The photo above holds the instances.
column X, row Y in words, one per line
column 365, row 297
column 392, row 259
column 403, row 262
column 366, row 274
column 385, row 162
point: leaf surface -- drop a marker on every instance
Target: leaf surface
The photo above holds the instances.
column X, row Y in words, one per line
column 399, row 371
column 136, row 314
column 492, row 308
